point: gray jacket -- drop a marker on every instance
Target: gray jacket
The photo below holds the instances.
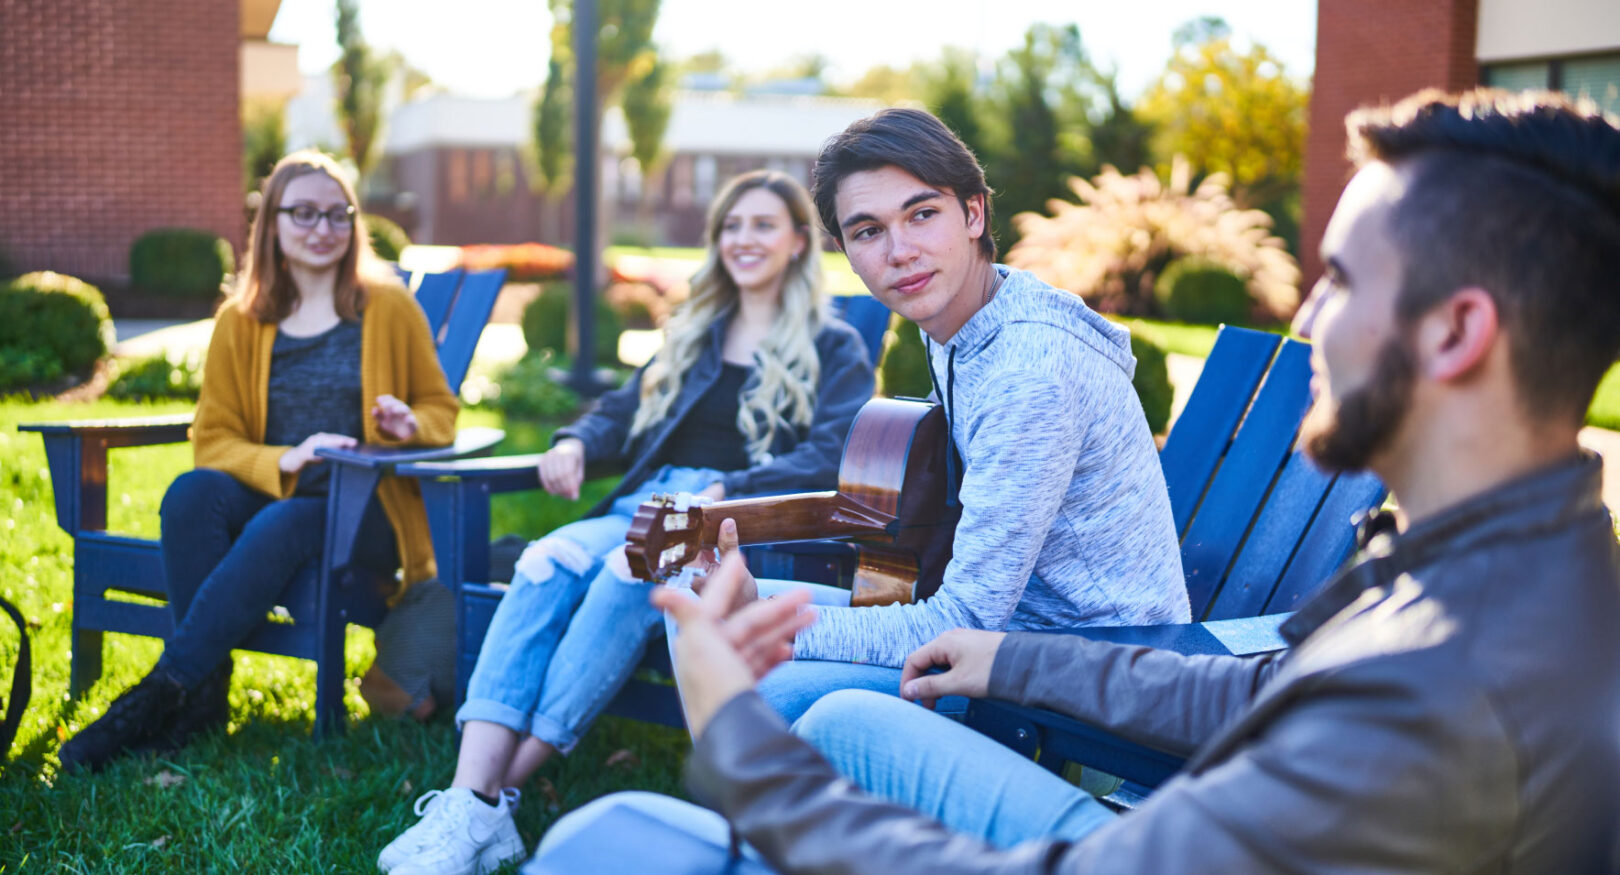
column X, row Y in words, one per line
column 1065, row 517
column 802, row 460
column 1450, row 705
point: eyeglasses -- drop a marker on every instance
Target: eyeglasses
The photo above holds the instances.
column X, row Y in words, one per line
column 308, row 215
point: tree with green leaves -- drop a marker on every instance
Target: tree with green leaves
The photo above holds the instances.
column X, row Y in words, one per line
column 950, row 88
column 646, row 106
column 1039, row 105
column 358, row 77
column 1235, row 111
column 264, row 139
column 624, row 51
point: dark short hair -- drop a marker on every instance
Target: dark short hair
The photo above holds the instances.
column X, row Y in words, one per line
column 1517, row 194
column 912, row 140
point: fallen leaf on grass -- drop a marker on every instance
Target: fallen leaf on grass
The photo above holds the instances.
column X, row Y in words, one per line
column 164, row 780
column 549, row 792
column 622, row 757
column 159, row 842
column 406, row 788
column 16, row 827
column 342, row 773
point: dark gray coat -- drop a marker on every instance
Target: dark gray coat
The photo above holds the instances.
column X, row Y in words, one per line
column 1450, row 705
column 801, row 460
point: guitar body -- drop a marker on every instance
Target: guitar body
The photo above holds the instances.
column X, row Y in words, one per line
column 894, row 462
column 893, row 502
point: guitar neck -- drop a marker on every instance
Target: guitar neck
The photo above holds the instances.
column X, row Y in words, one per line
column 809, row 516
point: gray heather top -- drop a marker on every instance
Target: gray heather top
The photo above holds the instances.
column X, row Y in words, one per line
column 314, row 387
column 1066, row 520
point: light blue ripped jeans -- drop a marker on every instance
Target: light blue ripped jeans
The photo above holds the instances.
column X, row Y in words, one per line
column 569, row 632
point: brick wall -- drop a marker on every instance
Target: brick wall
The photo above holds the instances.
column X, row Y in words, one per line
column 116, row 116
column 1370, row 52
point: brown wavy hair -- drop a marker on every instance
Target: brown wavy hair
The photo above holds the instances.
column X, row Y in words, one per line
column 264, row 288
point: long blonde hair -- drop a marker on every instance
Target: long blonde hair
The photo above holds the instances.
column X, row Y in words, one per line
column 264, row 287
column 787, row 367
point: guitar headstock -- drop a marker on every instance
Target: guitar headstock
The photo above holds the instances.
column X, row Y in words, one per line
column 664, row 536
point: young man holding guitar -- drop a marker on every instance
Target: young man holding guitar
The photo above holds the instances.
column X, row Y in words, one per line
column 1065, row 520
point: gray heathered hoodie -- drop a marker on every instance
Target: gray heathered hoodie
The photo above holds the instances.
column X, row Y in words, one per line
column 1065, row 521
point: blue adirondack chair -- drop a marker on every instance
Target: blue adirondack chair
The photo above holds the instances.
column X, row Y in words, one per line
column 1261, row 529
column 457, row 495
column 325, row 596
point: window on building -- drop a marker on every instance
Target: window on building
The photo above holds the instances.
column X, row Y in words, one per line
column 483, row 173
column 704, row 175
column 457, row 175
column 1596, row 77
column 680, row 181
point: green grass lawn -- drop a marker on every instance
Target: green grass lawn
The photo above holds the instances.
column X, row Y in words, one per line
column 264, row 797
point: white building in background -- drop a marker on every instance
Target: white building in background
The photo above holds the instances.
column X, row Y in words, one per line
column 459, row 170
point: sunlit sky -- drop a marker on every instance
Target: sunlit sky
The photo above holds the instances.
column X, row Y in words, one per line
column 492, row 48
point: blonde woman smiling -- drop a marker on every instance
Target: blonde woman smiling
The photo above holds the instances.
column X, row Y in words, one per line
column 753, row 393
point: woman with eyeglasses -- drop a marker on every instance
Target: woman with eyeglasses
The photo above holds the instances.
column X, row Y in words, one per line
column 318, row 346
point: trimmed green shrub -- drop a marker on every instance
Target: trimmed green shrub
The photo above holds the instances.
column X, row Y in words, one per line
column 51, row 326
column 548, row 324
column 158, row 377
column 388, row 239
column 1152, row 382
column 528, row 392
column 1203, row 292
column 903, row 372
column 183, row 262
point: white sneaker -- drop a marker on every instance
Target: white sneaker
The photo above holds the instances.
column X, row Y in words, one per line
column 459, row 834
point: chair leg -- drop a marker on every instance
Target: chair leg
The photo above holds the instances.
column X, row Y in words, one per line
column 329, row 677
column 86, row 660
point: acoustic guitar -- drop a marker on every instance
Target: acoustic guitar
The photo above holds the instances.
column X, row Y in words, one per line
column 894, row 501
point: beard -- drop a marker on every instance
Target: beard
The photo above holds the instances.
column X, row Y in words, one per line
column 1347, row 436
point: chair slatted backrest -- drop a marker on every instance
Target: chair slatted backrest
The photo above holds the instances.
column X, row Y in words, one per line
column 434, row 292
column 1245, row 476
column 1261, row 526
column 869, row 317
column 1204, row 429
column 458, row 337
column 457, row 305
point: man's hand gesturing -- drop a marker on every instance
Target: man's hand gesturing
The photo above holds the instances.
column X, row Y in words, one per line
column 719, row 656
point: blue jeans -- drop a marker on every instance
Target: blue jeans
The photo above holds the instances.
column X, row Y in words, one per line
column 569, row 631
column 228, row 553
column 794, row 686
column 908, row 755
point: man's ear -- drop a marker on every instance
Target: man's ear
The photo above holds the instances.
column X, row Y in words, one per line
column 973, row 207
column 1458, row 334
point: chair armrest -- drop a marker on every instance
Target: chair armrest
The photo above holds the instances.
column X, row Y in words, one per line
column 76, row 451
column 1057, row 739
column 1244, row 636
column 469, row 441
column 495, row 474
column 131, row 432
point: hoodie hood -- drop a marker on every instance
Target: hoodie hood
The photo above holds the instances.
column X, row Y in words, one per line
column 1022, row 297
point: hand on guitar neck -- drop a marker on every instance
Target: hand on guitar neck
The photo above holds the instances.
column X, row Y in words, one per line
column 746, row 589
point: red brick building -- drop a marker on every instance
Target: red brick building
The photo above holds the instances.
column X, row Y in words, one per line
column 118, row 116
column 1374, row 51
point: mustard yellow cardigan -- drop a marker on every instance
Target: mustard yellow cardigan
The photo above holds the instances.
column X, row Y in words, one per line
column 397, row 357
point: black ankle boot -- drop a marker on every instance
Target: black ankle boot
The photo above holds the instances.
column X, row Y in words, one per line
column 134, row 719
column 203, row 708
column 207, row 708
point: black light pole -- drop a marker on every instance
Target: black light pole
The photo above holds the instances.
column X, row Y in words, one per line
column 586, row 191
